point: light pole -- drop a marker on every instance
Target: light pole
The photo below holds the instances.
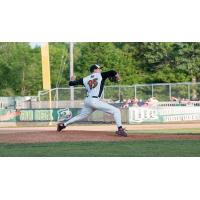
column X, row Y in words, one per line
column 72, row 72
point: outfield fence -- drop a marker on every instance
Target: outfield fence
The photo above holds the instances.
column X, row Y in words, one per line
column 161, row 91
column 61, row 98
column 129, row 115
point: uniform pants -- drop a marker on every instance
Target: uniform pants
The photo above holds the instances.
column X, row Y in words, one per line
column 92, row 104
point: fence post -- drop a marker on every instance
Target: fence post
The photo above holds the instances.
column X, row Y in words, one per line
column 170, row 92
column 188, row 91
column 56, row 97
column 152, row 90
column 119, row 92
column 135, row 91
column 39, row 99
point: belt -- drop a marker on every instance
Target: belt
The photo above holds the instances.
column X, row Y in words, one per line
column 93, row 96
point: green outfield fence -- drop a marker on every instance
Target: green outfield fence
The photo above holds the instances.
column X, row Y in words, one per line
column 134, row 114
column 48, row 115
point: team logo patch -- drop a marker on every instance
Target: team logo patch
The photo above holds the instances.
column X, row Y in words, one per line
column 64, row 114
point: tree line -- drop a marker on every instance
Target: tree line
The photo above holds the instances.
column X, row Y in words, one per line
column 137, row 63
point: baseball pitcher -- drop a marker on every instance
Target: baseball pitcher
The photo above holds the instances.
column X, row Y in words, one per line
column 94, row 84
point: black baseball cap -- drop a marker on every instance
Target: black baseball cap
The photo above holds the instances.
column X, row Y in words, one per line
column 93, row 67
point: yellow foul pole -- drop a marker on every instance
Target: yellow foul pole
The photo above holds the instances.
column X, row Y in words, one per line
column 46, row 72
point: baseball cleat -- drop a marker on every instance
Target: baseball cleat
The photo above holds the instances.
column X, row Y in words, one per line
column 60, row 126
column 122, row 132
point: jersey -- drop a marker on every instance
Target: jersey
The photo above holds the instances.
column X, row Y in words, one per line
column 94, row 83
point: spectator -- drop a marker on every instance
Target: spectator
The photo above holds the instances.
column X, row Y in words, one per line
column 134, row 102
column 174, row 99
column 152, row 101
column 185, row 101
column 141, row 102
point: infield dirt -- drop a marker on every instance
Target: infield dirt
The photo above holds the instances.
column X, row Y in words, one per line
column 92, row 133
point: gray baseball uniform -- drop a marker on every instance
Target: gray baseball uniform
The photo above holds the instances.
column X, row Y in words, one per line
column 94, row 84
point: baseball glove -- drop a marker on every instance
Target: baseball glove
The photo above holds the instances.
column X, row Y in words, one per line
column 115, row 78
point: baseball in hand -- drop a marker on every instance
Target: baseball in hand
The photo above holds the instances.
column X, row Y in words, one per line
column 72, row 78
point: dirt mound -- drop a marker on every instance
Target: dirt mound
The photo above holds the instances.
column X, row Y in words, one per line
column 44, row 136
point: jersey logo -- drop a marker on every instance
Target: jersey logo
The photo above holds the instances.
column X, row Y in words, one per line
column 93, row 83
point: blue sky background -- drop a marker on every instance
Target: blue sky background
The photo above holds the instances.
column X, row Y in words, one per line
column 34, row 44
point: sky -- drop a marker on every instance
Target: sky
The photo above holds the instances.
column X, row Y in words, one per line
column 34, row 44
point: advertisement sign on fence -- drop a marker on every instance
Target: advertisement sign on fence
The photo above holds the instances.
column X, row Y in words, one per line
column 163, row 114
column 143, row 114
column 9, row 115
column 135, row 114
column 45, row 115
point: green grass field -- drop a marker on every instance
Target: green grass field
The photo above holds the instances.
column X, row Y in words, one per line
column 195, row 131
column 159, row 148
column 137, row 148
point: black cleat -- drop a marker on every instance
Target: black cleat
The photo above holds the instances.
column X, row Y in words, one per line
column 60, row 126
column 121, row 132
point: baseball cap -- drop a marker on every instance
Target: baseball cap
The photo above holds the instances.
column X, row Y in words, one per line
column 93, row 67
